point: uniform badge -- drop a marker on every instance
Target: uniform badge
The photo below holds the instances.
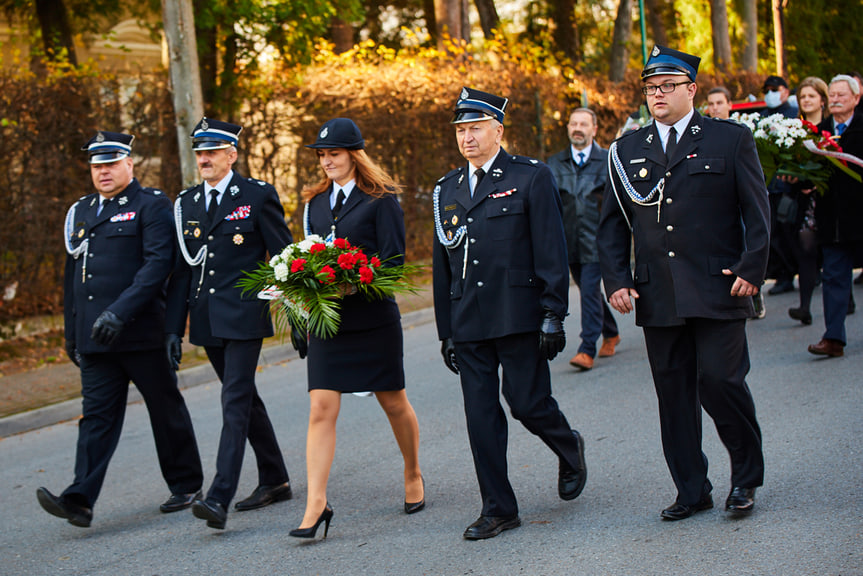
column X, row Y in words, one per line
column 655, row 51
column 93, row 202
column 324, row 132
column 461, row 179
column 695, row 129
column 642, row 173
column 123, row 201
column 464, row 94
column 196, row 232
column 449, row 234
column 205, row 125
column 534, row 161
column 649, row 138
column 450, row 207
column 238, row 239
column 81, row 233
column 198, row 195
column 234, row 190
column 100, row 137
column 497, row 172
column 454, row 220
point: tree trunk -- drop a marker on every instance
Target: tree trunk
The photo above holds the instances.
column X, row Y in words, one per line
column 566, row 38
column 56, row 30
column 185, row 79
column 779, row 36
column 343, row 35
column 721, row 39
column 448, row 20
column 431, row 20
column 488, row 18
column 656, row 21
column 619, row 45
column 207, row 53
column 750, row 27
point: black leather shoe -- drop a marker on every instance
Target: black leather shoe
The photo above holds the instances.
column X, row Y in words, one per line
column 211, row 511
column 678, row 511
column 179, row 502
column 781, row 287
column 60, row 507
column 800, row 314
column 740, row 500
column 490, row 526
column 571, row 481
column 264, row 496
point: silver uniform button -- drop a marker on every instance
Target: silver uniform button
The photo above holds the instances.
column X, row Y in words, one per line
column 210, row 238
column 212, row 254
column 475, row 262
column 503, row 209
column 480, row 284
column 212, row 290
column 90, row 297
column 667, row 174
column 671, row 254
column 668, row 200
column 473, row 240
column 470, row 220
column 670, row 228
column 212, row 272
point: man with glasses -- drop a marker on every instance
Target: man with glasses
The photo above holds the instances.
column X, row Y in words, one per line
column 690, row 194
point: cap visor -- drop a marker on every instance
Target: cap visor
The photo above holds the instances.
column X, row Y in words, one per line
column 107, row 157
column 470, row 116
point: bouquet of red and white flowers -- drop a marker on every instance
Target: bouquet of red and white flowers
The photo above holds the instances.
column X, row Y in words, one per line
column 308, row 280
column 790, row 147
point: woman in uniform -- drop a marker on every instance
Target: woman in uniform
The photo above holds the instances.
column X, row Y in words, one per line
column 356, row 200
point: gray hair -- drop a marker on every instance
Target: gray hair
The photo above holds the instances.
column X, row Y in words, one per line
column 586, row 111
column 850, row 80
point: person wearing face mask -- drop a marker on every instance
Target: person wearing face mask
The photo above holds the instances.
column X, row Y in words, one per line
column 781, row 264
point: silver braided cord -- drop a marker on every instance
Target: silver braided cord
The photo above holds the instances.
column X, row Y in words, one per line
column 82, row 248
column 200, row 258
column 653, row 198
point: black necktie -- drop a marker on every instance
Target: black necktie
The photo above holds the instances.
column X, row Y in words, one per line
column 479, row 174
column 340, row 201
column 671, row 144
column 214, row 205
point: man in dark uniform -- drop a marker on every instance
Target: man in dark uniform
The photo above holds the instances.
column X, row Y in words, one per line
column 120, row 256
column 225, row 225
column 690, row 193
column 580, row 173
column 500, row 294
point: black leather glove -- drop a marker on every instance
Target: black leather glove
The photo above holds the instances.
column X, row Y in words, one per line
column 174, row 348
column 447, row 350
column 106, row 328
column 299, row 341
column 72, row 353
column 552, row 338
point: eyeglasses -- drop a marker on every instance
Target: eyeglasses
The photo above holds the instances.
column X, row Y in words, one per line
column 666, row 88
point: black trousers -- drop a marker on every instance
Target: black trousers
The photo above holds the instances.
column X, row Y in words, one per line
column 527, row 389
column 243, row 416
column 704, row 363
column 105, row 388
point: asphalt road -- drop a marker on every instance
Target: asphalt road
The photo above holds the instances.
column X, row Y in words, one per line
column 808, row 518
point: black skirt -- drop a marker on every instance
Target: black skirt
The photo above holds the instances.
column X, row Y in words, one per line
column 363, row 361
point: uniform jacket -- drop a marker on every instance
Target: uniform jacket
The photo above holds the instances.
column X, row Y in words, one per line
column 510, row 263
column 249, row 224
column 581, row 192
column 713, row 214
column 838, row 212
column 124, row 269
column 377, row 226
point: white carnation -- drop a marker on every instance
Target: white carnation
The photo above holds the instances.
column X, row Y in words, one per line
column 280, row 271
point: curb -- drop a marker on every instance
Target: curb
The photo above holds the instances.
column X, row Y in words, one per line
column 195, row 376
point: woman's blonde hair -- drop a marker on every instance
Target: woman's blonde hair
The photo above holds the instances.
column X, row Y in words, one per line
column 820, row 86
column 370, row 178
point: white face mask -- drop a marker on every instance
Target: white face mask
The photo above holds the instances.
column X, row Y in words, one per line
column 773, row 99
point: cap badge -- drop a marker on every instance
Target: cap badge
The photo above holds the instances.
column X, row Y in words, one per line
column 100, row 137
column 204, row 124
column 325, row 131
column 238, row 239
column 464, row 95
column 655, row 51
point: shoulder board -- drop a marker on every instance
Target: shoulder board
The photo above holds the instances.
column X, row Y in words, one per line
column 258, row 182
column 451, row 174
column 153, row 191
column 189, row 189
column 525, row 160
column 631, row 133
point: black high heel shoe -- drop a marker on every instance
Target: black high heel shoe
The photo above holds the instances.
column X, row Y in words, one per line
column 414, row 507
column 310, row 532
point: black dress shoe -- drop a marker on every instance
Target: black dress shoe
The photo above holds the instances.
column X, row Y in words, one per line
column 179, row 502
column 211, row 511
column 490, row 526
column 800, row 314
column 781, row 287
column 264, row 496
column 740, row 500
column 61, row 507
column 678, row 511
column 571, row 481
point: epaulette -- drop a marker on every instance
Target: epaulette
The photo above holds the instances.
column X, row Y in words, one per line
column 153, row 191
column 450, row 174
column 630, row 133
column 258, row 182
column 189, row 189
column 525, row 160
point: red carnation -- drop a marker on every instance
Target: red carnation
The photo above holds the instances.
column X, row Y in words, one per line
column 376, row 262
column 297, row 265
column 366, row 275
column 342, row 244
column 326, row 275
column 361, row 258
column 317, row 248
column 346, row 261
